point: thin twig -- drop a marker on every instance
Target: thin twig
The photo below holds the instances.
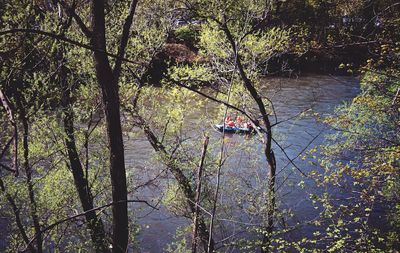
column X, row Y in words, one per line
column 287, row 156
column 68, row 40
column 88, row 211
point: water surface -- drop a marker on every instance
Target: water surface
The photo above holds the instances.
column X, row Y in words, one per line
column 290, row 97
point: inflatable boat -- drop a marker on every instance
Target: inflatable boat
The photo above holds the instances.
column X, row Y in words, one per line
column 236, row 130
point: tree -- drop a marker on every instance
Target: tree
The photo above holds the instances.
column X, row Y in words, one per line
column 234, row 41
column 108, row 79
column 95, row 223
column 366, row 133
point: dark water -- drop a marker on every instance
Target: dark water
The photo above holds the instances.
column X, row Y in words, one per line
column 290, row 97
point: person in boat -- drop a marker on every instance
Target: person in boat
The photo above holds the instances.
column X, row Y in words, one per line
column 239, row 121
column 248, row 125
column 229, row 122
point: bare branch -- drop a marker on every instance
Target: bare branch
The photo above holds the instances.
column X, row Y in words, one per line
column 290, row 118
column 9, row 109
column 68, row 40
column 287, row 156
column 7, row 168
column 17, row 217
column 51, row 226
column 197, row 197
column 209, row 97
column 396, row 97
column 292, row 160
column 71, row 11
column 6, row 147
column 124, row 38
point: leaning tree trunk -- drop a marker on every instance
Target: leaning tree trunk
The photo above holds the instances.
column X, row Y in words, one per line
column 269, row 154
column 11, row 200
column 182, row 180
column 197, row 197
column 29, row 183
column 94, row 222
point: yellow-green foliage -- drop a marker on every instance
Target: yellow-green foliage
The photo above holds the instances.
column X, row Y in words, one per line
column 261, row 46
column 174, row 200
column 187, row 33
column 213, row 43
column 177, row 105
column 255, row 48
column 57, row 191
column 191, row 73
column 368, row 132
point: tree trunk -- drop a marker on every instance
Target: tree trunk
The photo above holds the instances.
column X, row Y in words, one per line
column 269, row 154
column 183, row 182
column 109, row 88
column 94, row 223
column 8, row 107
column 197, row 197
column 29, row 183
column 17, row 216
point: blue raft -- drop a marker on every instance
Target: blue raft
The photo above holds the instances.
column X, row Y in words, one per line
column 236, row 130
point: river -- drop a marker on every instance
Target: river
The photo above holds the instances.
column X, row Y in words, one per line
column 290, row 97
column 242, row 176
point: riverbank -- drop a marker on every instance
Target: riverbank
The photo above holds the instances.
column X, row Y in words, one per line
column 342, row 61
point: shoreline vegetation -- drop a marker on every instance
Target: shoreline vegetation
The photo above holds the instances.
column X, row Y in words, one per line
column 314, row 61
